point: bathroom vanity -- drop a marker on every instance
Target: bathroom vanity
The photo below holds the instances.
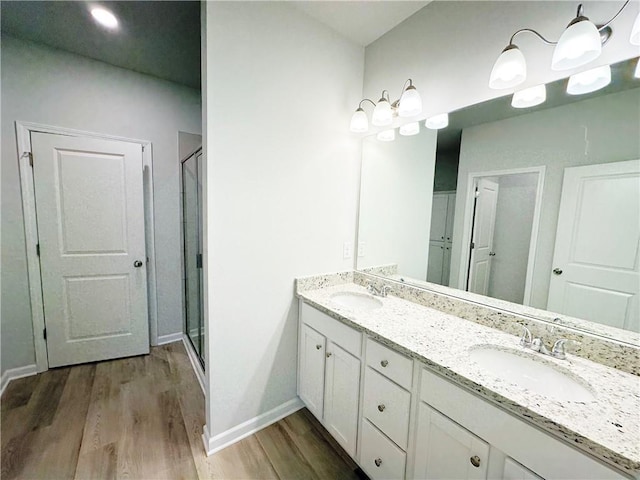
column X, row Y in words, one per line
column 411, row 391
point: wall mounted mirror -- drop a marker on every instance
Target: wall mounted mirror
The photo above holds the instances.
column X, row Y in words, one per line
column 531, row 210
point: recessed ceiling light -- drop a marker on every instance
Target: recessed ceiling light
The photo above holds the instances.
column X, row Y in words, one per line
column 104, row 17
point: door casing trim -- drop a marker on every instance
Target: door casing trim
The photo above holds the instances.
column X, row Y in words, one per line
column 27, row 187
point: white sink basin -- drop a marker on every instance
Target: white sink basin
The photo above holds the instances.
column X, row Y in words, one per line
column 534, row 374
column 359, row 301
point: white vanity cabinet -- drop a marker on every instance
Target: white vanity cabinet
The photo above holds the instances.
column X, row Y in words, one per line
column 329, row 374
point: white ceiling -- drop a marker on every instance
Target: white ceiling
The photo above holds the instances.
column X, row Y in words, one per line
column 362, row 21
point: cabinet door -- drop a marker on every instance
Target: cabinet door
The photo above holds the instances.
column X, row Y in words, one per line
column 341, row 397
column 311, row 366
column 451, row 209
column 445, row 450
column 438, row 217
column 446, row 264
column 435, row 262
column 514, row 471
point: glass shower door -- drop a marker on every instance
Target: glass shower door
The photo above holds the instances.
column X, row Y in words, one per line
column 192, row 231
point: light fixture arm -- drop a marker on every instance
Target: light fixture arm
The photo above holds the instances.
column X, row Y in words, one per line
column 366, row 100
column 579, row 14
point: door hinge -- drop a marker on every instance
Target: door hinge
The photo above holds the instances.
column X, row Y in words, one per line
column 199, row 260
column 473, row 245
column 38, row 249
column 44, row 332
column 29, row 155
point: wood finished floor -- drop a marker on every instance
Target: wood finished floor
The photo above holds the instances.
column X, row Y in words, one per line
column 142, row 418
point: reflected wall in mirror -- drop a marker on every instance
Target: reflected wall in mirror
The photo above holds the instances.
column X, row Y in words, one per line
column 536, row 206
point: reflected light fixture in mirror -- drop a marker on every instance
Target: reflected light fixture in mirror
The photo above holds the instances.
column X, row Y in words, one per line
column 437, row 121
column 386, row 135
column 409, row 129
column 104, row 17
column 637, row 71
column 408, row 105
column 589, row 81
column 529, row 97
column 579, row 44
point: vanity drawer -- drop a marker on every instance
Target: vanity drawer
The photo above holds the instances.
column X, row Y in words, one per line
column 386, row 405
column 380, row 457
column 391, row 364
column 348, row 338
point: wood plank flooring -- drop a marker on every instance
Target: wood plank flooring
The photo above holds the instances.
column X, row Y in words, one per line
column 142, row 418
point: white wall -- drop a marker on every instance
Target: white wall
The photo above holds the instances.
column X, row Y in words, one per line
column 449, row 48
column 598, row 130
column 52, row 87
column 282, row 180
column 512, row 236
column 395, row 202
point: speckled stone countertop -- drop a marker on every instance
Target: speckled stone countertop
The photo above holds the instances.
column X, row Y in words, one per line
column 607, row 427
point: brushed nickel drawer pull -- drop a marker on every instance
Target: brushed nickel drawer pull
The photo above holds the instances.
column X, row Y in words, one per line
column 384, row 363
column 378, row 462
column 381, row 408
column 475, row 461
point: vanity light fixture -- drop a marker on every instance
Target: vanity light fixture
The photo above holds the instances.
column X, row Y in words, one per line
column 409, row 105
column 529, row 97
column 589, row 81
column 437, row 121
column 579, row 44
column 387, row 135
column 104, row 17
column 409, row 129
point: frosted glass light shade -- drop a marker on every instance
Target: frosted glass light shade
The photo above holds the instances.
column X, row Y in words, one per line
column 410, row 103
column 387, row 135
column 509, row 70
column 589, row 81
column 359, row 122
column 382, row 114
column 437, row 121
column 636, row 73
column 409, row 129
column 635, row 32
column 529, row 97
column 579, row 44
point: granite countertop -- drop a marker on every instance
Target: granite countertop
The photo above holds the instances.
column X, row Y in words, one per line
column 607, row 427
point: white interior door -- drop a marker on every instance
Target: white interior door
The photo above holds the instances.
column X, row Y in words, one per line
column 482, row 237
column 595, row 263
column 90, row 210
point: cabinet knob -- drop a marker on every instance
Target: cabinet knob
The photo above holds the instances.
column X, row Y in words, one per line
column 318, row 347
column 557, row 271
column 384, row 363
column 381, row 407
column 475, row 461
column 328, row 354
column 137, row 263
column 378, row 462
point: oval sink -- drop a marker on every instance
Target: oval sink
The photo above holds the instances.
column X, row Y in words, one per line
column 358, row 301
column 536, row 375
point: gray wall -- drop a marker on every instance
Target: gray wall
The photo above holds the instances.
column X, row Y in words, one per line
column 446, row 174
column 598, row 130
column 48, row 86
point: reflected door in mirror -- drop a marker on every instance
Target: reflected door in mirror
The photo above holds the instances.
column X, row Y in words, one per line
column 484, row 220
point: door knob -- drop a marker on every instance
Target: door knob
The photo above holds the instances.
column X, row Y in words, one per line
column 475, row 461
column 492, row 254
column 557, row 271
column 137, row 263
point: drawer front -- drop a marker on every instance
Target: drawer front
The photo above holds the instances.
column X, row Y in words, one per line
column 347, row 337
column 387, row 405
column 380, row 457
column 391, row 364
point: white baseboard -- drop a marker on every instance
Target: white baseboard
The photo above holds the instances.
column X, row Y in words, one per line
column 195, row 362
column 172, row 337
column 237, row 433
column 14, row 373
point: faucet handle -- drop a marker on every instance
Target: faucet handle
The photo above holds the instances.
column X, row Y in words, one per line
column 385, row 290
column 558, row 350
column 525, row 340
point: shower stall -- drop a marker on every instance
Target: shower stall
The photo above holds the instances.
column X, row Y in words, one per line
column 192, row 251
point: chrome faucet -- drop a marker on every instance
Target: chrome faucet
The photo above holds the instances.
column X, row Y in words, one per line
column 537, row 345
column 379, row 293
